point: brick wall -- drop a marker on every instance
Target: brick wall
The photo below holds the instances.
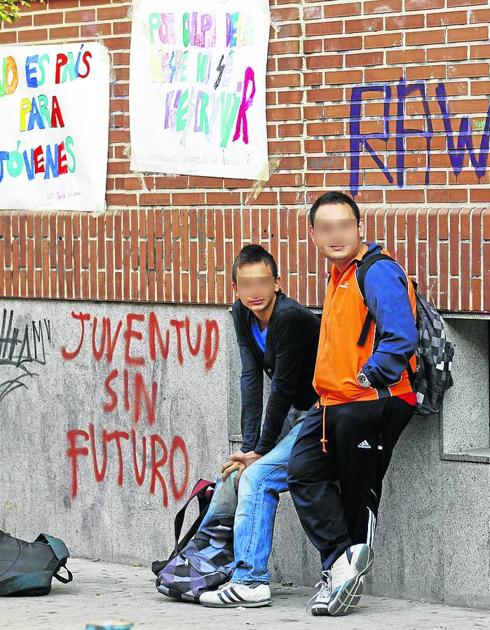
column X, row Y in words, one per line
column 364, row 96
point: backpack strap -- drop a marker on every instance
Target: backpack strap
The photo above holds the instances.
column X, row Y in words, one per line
column 201, row 491
column 363, row 267
column 60, row 552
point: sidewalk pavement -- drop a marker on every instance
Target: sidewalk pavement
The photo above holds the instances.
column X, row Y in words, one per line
column 103, row 591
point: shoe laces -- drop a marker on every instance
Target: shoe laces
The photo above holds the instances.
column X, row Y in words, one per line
column 324, row 592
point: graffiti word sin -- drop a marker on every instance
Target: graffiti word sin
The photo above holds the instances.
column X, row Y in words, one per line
column 144, row 339
column 161, row 465
column 134, row 394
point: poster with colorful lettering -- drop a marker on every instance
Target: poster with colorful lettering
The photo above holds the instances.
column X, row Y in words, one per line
column 197, row 87
column 54, row 126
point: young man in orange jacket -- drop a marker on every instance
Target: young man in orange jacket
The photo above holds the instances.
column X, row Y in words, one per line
column 342, row 452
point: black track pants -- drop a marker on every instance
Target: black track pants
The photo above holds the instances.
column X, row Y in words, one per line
column 337, row 494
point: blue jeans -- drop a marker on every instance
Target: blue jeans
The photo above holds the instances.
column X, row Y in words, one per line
column 258, row 497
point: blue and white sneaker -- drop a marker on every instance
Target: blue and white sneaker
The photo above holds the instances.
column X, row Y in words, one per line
column 318, row 604
column 348, row 573
column 233, row 595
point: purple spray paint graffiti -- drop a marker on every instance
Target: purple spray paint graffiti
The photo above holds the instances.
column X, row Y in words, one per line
column 399, row 94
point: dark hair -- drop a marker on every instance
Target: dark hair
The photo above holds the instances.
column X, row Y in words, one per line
column 253, row 254
column 331, row 198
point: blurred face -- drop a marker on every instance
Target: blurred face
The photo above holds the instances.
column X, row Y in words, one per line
column 256, row 287
column 336, row 234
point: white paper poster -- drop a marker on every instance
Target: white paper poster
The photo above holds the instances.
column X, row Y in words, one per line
column 54, row 125
column 197, row 87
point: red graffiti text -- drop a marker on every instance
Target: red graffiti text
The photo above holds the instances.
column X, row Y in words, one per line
column 133, row 451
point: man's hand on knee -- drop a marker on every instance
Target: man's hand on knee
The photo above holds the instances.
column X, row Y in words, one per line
column 238, row 461
column 245, row 458
column 229, row 467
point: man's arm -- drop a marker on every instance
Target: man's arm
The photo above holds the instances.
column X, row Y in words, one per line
column 290, row 348
column 385, row 288
column 251, row 388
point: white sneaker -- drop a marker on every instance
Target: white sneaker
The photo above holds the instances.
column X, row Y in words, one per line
column 348, row 573
column 233, row 595
column 318, row 604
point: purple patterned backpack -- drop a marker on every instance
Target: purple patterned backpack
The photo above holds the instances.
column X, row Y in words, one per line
column 203, row 559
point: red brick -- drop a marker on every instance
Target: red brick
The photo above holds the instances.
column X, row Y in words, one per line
column 154, row 199
column 86, row 15
column 480, row 87
column 289, row 31
column 343, row 77
column 480, row 195
column 62, row 4
column 283, row 80
column 383, row 6
column 464, row 3
column 447, row 195
column 468, row 70
column 32, row 35
column 121, row 28
column 312, row 13
column 404, row 22
column 376, row 75
column 416, row 55
column 404, row 196
column 480, row 16
column 364, row 59
column 447, row 18
column 426, row 72
column 467, row 34
column 480, row 52
column 423, row 5
column 313, row 46
column 285, row 15
column 443, row 276
column 284, row 47
column 332, row 9
column 417, row 38
column 325, row 94
column 47, row 18
column 8, row 37
column 328, row 27
column 335, row 44
column 113, row 13
column 290, row 97
column 366, row 25
column 223, row 198
column 324, row 61
column 385, row 40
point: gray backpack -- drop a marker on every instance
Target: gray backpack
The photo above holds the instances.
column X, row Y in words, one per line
column 434, row 352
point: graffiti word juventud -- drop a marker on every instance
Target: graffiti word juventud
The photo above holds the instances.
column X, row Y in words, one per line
column 138, row 330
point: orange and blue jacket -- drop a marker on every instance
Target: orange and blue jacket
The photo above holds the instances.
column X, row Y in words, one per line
column 391, row 341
